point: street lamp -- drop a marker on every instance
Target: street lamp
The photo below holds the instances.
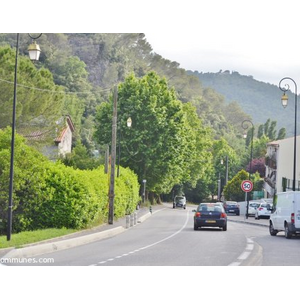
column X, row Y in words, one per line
column 245, row 126
column 34, row 52
column 144, row 190
column 129, row 122
column 284, row 101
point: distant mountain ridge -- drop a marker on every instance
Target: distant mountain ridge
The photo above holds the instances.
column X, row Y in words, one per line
column 258, row 99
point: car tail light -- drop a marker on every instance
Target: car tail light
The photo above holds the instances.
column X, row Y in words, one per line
column 292, row 218
column 223, row 215
column 198, row 214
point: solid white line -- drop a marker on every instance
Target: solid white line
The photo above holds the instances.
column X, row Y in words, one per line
column 244, row 255
column 234, row 264
column 249, row 247
column 151, row 245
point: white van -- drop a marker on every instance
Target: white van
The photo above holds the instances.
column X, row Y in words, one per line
column 285, row 215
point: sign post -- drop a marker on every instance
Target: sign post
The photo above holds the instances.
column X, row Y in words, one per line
column 247, row 187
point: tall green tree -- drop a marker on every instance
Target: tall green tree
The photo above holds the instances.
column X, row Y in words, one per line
column 162, row 143
column 39, row 101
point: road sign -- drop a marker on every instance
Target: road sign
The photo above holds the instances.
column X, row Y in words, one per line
column 247, row 186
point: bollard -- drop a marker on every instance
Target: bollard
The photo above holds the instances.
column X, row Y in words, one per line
column 127, row 221
column 134, row 218
column 131, row 220
column 150, row 209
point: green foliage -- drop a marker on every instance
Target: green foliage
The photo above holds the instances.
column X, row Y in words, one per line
column 29, row 237
column 170, row 141
column 36, row 110
column 80, row 158
column 258, row 99
column 167, row 142
column 232, row 190
column 48, row 195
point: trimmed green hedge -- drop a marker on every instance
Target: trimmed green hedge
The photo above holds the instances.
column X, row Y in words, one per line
column 51, row 195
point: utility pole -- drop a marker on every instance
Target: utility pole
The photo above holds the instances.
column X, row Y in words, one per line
column 111, row 193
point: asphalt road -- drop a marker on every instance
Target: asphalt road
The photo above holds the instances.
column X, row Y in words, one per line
column 167, row 238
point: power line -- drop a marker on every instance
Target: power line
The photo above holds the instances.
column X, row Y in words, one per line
column 52, row 91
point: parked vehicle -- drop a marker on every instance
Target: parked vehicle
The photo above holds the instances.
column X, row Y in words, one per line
column 252, row 208
column 263, row 211
column 286, row 214
column 232, row 207
column 179, row 201
column 210, row 215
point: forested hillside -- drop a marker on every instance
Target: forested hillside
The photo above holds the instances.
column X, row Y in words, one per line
column 86, row 66
column 259, row 99
column 75, row 76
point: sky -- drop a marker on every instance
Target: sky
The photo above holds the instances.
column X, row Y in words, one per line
column 258, row 37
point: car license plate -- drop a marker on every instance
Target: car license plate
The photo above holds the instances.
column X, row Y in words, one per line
column 210, row 221
column 231, row 210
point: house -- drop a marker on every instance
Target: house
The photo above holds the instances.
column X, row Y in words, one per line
column 63, row 141
column 62, row 144
column 280, row 166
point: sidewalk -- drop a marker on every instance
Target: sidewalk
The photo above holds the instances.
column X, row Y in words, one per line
column 251, row 220
column 79, row 238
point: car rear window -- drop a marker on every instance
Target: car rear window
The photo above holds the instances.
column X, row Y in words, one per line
column 210, row 207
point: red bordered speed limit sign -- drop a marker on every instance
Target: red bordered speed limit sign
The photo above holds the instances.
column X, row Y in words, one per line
column 247, row 186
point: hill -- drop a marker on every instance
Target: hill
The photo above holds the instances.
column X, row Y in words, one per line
column 87, row 65
column 258, row 99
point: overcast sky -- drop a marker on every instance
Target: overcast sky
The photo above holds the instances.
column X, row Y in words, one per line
column 257, row 37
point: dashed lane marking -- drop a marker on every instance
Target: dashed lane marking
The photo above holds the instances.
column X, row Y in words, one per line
column 248, row 249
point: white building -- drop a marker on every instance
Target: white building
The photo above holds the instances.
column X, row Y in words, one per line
column 280, row 166
column 64, row 141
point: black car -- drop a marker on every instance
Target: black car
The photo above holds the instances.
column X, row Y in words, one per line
column 210, row 215
column 179, row 201
column 232, row 207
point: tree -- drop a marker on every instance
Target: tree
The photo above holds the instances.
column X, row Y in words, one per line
column 260, row 131
column 257, row 165
column 220, row 151
column 232, row 190
column 162, row 144
column 281, row 134
column 80, row 158
column 39, row 100
column 272, row 131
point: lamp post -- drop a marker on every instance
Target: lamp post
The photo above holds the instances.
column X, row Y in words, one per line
column 34, row 53
column 226, row 169
column 245, row 126
column 111, row 192
column 284, row 101
column 220, row 193
column 129, row 123
column 144, row 190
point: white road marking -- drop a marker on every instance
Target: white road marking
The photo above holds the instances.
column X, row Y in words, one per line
column 248, row 249
column 148, row 246
column 244, row 255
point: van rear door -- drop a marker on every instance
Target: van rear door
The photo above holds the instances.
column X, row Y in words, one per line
column 297, row 210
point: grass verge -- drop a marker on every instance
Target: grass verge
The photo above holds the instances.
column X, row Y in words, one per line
column 28, row 237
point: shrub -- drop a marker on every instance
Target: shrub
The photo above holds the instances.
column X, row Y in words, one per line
column 48, row 195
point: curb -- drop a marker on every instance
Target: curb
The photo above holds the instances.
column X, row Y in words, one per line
column 144, row 217
column 249, row 223
column 52, row 246
column 61, row 245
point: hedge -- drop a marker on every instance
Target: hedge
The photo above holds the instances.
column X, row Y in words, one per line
column 51, row 195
